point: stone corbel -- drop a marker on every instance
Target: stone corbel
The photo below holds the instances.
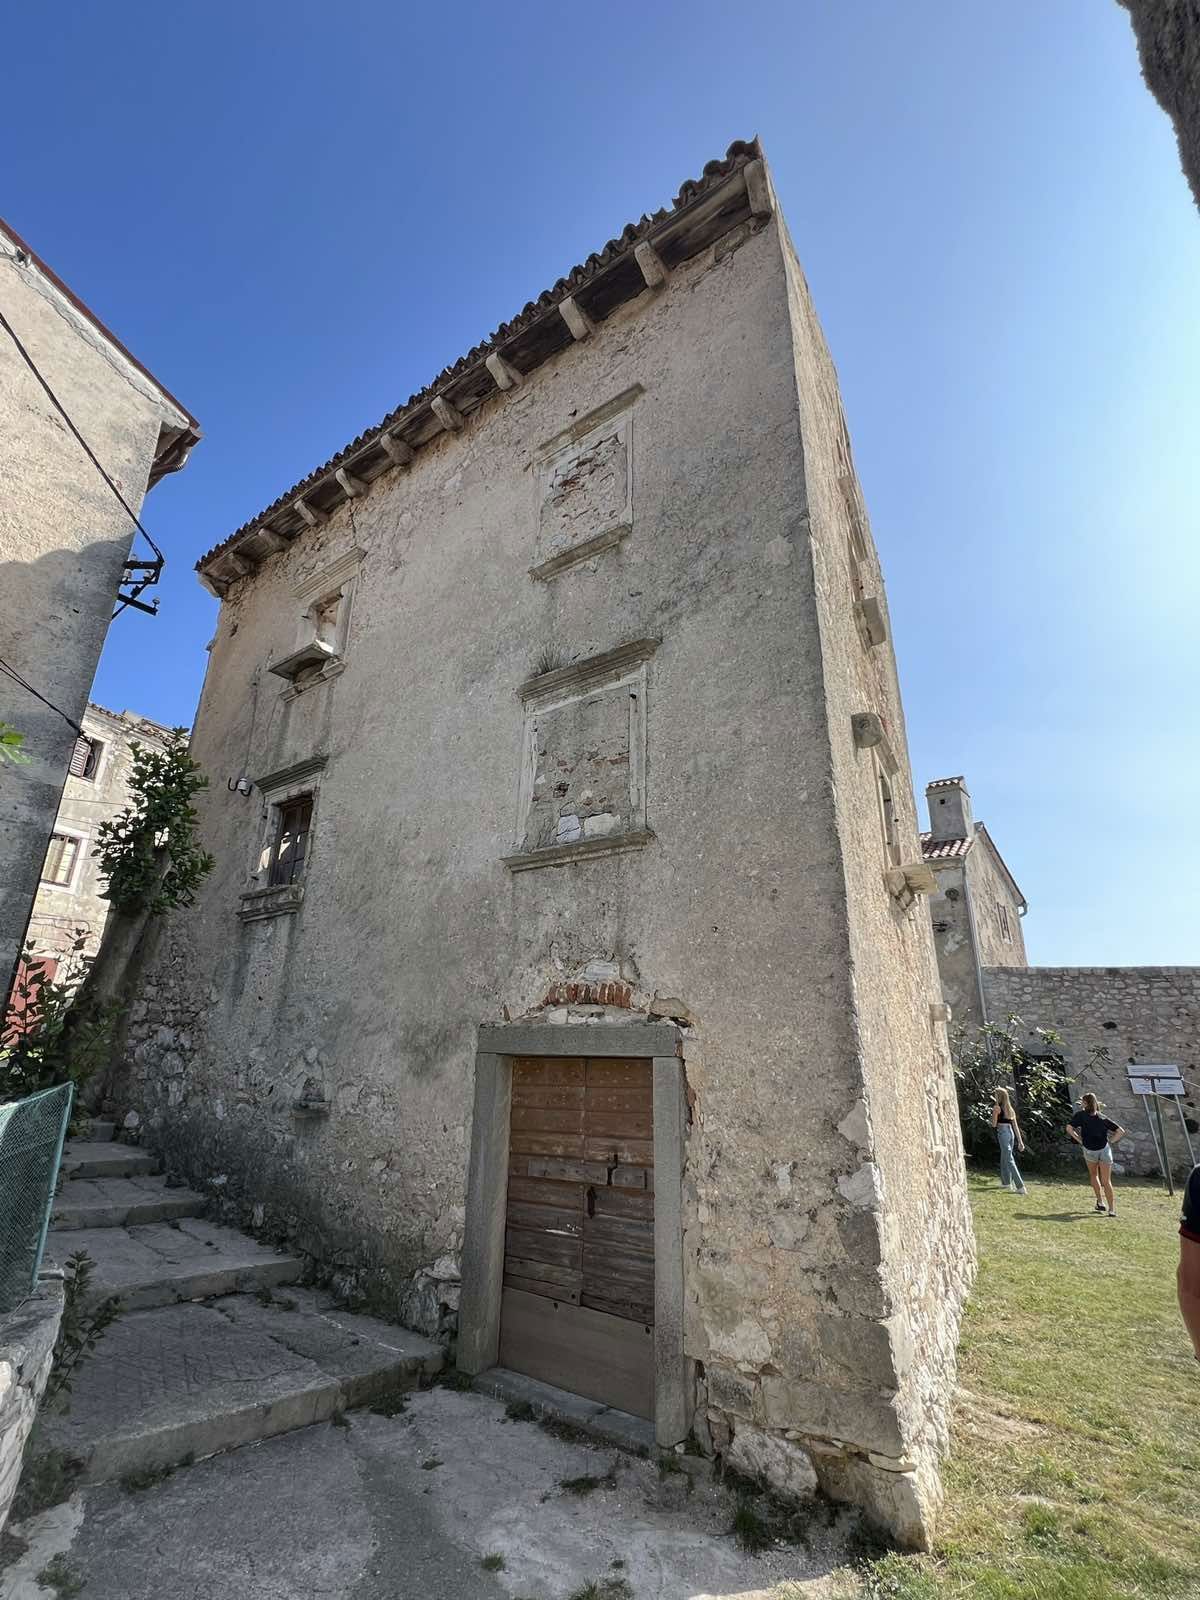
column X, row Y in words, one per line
column 870, row 620
column 906, row 882
column 576, row 318
column 870, row 734
column 758, row 189
column 653, row 267
column 309, row 514
column 397, row 452
column 505, row 375
column 449, row 416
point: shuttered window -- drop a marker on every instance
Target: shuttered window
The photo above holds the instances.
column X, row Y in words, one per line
column 60, row 859
column 291, row 841
column 85, row 757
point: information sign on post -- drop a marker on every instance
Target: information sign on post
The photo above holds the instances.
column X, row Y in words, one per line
column 1157, row 1082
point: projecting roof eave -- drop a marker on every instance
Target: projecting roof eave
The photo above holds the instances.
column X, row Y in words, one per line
column 174, row 443
column 729, row 193
column 1000, row 862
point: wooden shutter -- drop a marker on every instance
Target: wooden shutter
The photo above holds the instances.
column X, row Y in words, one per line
column 80, row 757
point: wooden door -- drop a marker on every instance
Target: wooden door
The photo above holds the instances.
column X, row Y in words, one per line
column 578, row 1299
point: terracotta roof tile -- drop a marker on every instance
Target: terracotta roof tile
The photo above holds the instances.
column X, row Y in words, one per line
column 944, row 849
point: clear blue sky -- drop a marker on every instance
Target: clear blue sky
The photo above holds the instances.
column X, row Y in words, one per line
column 296, row 214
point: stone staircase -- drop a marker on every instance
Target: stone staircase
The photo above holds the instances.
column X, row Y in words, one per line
column 217, row 1346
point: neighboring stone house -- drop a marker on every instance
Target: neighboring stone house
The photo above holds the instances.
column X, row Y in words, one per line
column 64, row 537
column 1136, row 1015
column 562, row 974
column 977, row 906
column 69, row 901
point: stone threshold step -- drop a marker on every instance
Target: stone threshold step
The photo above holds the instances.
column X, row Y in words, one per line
column 159, row 1263
column 559, row 1405
column 121, row 1202
column 88, row 1158
column 101, row 1132
column 185, row 1381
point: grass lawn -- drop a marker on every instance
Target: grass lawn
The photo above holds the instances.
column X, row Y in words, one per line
column 1076, row 1465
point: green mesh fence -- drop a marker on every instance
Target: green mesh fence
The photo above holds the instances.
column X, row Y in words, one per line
column 31, row 1141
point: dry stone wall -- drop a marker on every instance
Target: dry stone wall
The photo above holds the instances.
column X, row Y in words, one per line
column 1138, row 1015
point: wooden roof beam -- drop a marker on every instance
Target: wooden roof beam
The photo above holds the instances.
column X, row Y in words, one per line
column 309, row 514
column 397, row 452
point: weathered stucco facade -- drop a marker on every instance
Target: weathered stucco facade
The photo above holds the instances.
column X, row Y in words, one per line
column 64, row 538
column 1140, row 1015
column 70, row 905
column 588, row 688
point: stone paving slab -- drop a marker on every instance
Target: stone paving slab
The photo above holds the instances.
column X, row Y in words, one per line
column 407, row 1507
column 197, row 1379
column 85, row 1158
column 162, row 1262
column 119, row 1202
column 601, row 1421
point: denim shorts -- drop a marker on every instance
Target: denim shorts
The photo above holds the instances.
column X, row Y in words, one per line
column 1104, row 1157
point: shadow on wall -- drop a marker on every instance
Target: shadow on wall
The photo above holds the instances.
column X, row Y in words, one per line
column 54, row 617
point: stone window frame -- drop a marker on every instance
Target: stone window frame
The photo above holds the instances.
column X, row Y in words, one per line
column 262, row 898
column 568, row 443
column 478, row 1349
column 1003, row 919
column 624, row 669
column 316, row 659
column 81, row 836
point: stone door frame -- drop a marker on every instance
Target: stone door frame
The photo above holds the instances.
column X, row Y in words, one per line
column 487, row 1192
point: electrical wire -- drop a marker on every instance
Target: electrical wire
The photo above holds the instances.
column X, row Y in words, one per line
column 11, row 672
column 85, row 446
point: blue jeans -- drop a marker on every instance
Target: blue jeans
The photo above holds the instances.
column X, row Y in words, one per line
column 1008, row 1164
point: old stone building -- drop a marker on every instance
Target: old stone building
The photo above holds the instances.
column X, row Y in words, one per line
column 976, row 907
column 65, row 538
column 563, row 983
column 1109, row 1018
column 69, row 901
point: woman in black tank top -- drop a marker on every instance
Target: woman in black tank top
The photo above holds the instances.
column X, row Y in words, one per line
column 1008, row 1132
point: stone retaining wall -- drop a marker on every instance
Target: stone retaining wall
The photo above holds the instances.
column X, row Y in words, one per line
column 27, row 1338
column 1138, row 1014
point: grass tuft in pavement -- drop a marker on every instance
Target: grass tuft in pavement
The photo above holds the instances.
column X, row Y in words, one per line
column 603, row 1589
column 58, row 1575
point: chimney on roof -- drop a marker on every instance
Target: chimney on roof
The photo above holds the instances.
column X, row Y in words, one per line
column 949, row 809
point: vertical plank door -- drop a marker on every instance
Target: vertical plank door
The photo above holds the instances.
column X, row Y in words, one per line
column 578, row 1297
